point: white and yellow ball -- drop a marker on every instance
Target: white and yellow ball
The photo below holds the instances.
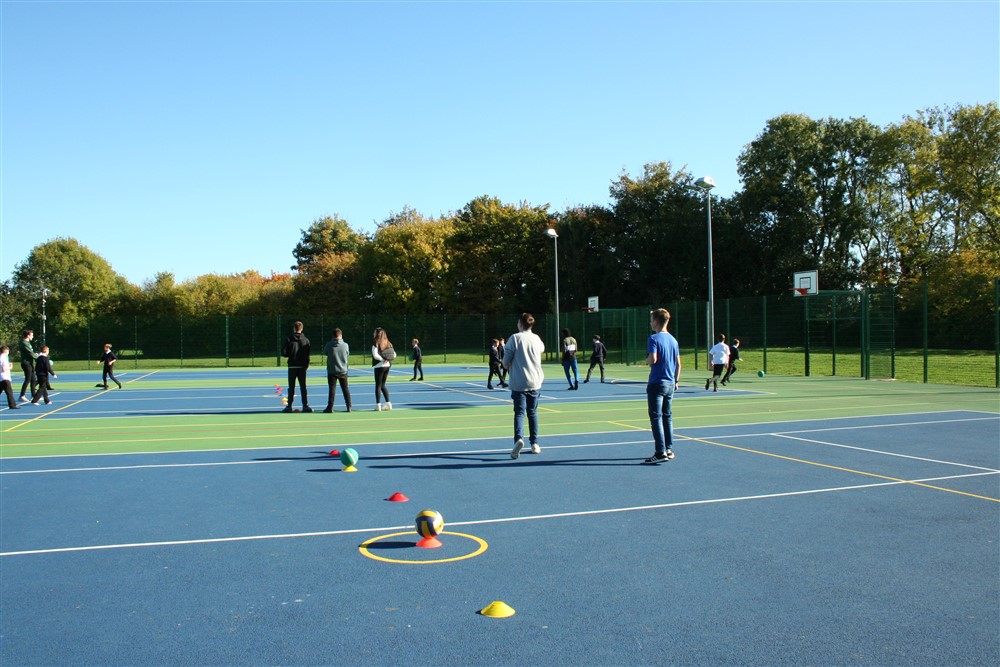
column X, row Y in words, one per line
column 429, row 523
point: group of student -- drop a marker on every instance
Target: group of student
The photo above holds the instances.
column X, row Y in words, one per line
column 723, row 359
column 37, row 369
column 297, row 349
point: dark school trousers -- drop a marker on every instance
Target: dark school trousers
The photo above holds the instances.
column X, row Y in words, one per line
column 418, row 367
column 8, row 389
column 596, row 361
column 297, row 373
column 29, row 377
column 43, row 389
column 109, row 373
column 332, row 381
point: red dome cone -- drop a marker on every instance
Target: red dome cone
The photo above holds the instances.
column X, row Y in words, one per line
column 397, row 497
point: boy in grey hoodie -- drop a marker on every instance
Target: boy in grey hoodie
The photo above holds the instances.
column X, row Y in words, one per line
column 337, row 365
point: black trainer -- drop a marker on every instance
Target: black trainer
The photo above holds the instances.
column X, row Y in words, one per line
column 656, row 459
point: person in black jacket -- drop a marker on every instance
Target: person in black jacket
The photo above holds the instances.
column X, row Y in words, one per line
column 108, row 359
column 597, row 358
column 496, row 359
column 43, row 369
column 734, row 356
column 297, row 349
column 27, row 363
column 418, row 361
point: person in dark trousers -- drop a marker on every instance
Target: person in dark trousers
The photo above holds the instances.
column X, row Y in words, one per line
column 43, row 369
column 297, row 350
column 503, row 370
column 597, row 358
column 382, row 357
column 27, row 363
column 734, row 356
column 418, row 360
column 5, row 379
column 337, row 366
column 496, row 361
column 108, row 359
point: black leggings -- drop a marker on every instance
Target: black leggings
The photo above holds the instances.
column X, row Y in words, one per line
column 381, row 374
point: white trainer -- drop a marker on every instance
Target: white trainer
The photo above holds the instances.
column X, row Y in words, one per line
column 518, row 446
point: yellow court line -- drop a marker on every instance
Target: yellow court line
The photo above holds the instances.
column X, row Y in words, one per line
column 65, row 407
column 833, row 467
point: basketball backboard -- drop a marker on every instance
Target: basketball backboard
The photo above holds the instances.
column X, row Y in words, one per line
column 805, row 283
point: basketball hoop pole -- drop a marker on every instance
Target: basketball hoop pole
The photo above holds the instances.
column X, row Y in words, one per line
column 551, row 233
column 706, row 183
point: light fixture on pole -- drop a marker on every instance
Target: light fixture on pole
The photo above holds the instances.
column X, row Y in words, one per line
column 706, row 183
column 45, row 293
column 551, row 233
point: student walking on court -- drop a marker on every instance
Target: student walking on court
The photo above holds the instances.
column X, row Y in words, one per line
column 43, row 369
column 418, row 360
column 663, row 357
column 523, row 358
column 27, row 362
column 597, row 358
column 496, row 365
column 5, row 378
column 108, row 359
column 734, row 356
column 569, row 359
column 338, row 355
column 501, row 348
column 382, row 356
column 297, row 349
column 718, row 356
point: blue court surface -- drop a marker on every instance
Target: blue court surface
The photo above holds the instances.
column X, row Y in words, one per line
column 849, row 541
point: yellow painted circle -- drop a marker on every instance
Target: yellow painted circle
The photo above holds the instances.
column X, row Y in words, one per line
column 364, row 549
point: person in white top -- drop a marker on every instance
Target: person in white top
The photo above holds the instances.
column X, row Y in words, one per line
column 718, row 356
column 5, row 379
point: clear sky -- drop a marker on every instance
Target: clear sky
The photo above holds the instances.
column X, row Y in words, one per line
column 203, row 137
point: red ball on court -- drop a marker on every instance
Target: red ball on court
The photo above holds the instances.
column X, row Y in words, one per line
column 334, row 452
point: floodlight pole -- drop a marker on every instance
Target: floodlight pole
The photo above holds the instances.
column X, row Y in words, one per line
column 706, row 183
column 45, row 293
column 551, row 233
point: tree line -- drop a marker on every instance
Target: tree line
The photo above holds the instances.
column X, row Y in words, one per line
column 914, row 202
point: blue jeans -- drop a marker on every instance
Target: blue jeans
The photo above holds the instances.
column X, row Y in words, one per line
column 568, row 365
column 525, row 401
column 658, row 398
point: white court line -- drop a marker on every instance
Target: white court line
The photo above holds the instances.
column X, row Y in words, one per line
column 878, row 451
column 480, row 522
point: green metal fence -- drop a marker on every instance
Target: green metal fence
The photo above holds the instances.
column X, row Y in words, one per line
column 873, row 333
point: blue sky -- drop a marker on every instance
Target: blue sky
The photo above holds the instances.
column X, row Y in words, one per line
column 203, row 137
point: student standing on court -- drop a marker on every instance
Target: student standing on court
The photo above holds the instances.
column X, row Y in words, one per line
column 297, row 349
column 569, row 359
column 5, row 379
column 27, row 362
column 418, row 360
column 43, row 369
column 337, row 366
column 495, row 365
column 597, row 358
column 382, row 356
column 663, row 357
column 734, row 356
column 718, row 356
column 108, row 359
column 523, row 358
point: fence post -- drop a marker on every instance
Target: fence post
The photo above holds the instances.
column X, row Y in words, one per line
column 277, row 341
column 865, row 342
column 445, row 337
column 135, row 339
column 763, row 311
column 926, row 332
column 996, row 332
column 834, row 335
column 892, row 329
column 227, row 341
column 696, row 337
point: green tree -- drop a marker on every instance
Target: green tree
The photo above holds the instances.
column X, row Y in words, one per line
column 496, row 256
column 325, row 235
column 81, row 283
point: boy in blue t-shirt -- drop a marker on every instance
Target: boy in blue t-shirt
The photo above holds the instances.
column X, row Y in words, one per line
column 664, row 360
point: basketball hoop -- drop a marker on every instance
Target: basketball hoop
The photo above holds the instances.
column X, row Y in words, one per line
column 799, row 291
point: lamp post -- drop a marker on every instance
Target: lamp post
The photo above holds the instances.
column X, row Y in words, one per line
column 706, row 183
column 551, row 233
column 45, row 293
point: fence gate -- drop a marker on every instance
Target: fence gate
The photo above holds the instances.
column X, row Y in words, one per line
column 879, row 354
